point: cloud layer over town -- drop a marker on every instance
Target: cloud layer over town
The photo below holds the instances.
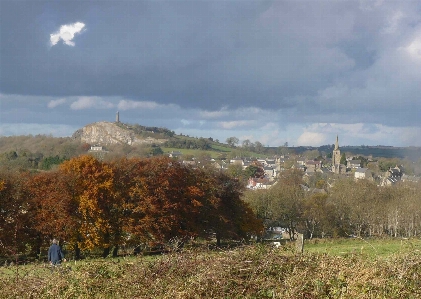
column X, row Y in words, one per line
column 271, row 71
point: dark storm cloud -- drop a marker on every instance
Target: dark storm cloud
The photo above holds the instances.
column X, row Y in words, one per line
column 194, row 53
column 158, row 50
column 307, row 69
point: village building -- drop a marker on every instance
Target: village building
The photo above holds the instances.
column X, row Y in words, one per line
column 337, row 167
column 363, row 173
column 313, row 166
column 96, row 148
column 353, row 164
column 237, row 161
column 259, row 183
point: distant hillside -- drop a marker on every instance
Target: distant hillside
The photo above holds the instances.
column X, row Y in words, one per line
column 380, row 151
column 137, row 140
column 108, row 133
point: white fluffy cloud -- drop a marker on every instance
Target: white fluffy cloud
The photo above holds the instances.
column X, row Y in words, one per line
column 91, row 102
column 66, row 33
column 55, row 103
column 214, row 114
column 234, row 124
column 312, row 138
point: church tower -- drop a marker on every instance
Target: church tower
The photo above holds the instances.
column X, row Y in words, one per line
column 336, row 157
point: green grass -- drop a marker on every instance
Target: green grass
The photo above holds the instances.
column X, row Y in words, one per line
column 215, row 153
column 192, row 152
column 369, row 247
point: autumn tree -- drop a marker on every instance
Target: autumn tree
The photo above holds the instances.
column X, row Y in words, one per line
column 92, row 184
column 16, row 230
column 55, row 208
column 164, row 201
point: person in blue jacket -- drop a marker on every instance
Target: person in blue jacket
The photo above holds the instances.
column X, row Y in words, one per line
column 55, row 255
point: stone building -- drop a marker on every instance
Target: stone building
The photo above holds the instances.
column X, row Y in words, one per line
column 337, row 167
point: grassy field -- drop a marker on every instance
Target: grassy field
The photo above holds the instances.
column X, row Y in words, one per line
column 327, row 269
column 215, row 153
column 369, row 247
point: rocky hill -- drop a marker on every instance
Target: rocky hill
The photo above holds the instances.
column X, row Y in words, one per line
column 110, row 133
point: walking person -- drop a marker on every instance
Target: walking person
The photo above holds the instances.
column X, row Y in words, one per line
column 55, row 255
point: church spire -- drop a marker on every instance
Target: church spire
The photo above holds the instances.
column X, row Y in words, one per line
column 337, row 143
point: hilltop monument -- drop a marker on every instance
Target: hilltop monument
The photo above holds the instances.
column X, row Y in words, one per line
column 117, row 117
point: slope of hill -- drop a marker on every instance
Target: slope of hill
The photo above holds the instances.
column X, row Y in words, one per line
column 108, row 133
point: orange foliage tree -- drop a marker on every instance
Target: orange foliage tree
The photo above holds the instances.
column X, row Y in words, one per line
column 17, row 234
column 56, row 209
column 164, row 201
column 91, row 204
column 92, row 187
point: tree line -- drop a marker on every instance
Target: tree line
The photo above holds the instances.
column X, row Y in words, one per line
column 348, row 208
column 90, row 204
column 199, row 143
column 138, row 129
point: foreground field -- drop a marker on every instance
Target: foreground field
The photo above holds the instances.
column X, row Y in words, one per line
column 257, row 271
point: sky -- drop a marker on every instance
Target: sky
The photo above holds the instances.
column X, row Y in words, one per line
column 293, row 71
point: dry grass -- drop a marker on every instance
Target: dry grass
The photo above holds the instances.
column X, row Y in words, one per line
column 247, row 272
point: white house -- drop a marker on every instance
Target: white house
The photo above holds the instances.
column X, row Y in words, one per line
column 353, row 164
column 237, row 161
column 96, row 148
column 362, row 173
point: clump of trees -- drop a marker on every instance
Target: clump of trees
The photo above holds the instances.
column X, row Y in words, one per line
column 349, row 208
column 148, row 131
column 92, row 204
column 200, row 143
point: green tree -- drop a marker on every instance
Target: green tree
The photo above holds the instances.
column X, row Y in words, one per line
column 287, row 201
column 316, row 215
column 384, row 163
column 282, row 204
column 224, row 211
column 246, row 144
column 156, row 150
column 232, row 141
column 48, row 162
column 236, row 171
column 254, row 171
column 258, row 147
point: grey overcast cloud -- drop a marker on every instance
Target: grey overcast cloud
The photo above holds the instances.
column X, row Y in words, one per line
column 292, row 71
